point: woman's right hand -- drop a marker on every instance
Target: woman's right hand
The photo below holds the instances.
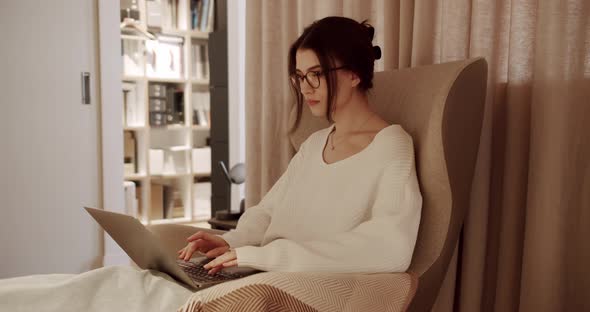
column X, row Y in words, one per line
column 209, row 244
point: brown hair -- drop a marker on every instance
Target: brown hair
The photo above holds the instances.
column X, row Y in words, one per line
column 336, row 38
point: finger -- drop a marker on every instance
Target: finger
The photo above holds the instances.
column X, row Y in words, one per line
column 215, row 270
column 216, row 262
column 212, row 264
column 189, row 253
column 216, row 252
column 199, row 235
column 228, row 256
column 181, row 256
column 231, row 263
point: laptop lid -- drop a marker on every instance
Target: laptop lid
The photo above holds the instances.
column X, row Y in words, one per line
column 142, row 246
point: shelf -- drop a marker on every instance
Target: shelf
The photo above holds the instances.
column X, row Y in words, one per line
column 201, row 82
column 135, row 128
column 133, row 37
column 132, row 78
column 136, row 176
column 178, row 148
column 201, row 175
column 185, row 33
column 203, row 128
column 169, row 175
column 166, row 80
column 171, row 127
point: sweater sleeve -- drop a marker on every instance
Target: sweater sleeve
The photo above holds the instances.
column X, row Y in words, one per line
column 253, row 224
column 383, row 243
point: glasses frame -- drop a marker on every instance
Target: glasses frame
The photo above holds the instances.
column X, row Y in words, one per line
column 296, row 79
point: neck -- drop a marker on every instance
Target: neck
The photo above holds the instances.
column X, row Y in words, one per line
column 352, row 113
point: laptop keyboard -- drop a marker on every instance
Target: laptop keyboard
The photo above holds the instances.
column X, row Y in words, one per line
column 197, row 273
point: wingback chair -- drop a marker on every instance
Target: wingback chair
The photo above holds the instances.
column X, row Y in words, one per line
column 441, row 106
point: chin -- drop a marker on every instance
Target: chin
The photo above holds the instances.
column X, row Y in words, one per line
column 317, row 110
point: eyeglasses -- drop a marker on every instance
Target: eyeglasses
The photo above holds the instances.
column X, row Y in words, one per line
column 312, row 78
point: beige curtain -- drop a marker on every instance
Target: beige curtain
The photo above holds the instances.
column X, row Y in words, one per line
column 524, row 244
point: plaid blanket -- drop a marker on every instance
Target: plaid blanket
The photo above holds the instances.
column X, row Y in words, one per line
column 297, row 291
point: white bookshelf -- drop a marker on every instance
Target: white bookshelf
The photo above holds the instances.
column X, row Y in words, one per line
column 175, row 141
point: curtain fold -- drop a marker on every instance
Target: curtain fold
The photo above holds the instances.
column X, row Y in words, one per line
column 523, row 244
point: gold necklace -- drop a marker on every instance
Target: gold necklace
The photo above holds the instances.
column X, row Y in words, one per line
column 332, row 132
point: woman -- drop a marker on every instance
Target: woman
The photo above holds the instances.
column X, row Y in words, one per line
column 349, row 200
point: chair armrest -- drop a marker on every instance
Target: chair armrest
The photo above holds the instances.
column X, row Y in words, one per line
column 307, row 291
column 173, row 236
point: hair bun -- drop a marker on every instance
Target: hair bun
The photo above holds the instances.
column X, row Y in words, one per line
column 377, row 52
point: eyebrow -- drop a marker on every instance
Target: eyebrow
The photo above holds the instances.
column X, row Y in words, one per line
column 309, row 68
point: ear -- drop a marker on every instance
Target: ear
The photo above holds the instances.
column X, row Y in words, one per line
column 354, row 79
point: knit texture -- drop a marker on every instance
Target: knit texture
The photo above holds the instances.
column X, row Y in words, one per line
column 357, row 215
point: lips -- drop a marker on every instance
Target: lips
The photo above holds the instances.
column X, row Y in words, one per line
column 312, row 102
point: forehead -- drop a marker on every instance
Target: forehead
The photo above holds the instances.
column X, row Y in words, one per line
column 305, row 59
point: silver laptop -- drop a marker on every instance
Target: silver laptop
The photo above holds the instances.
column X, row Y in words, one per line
column 147, row 251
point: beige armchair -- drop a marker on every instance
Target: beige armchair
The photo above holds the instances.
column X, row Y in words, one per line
column 441, row 106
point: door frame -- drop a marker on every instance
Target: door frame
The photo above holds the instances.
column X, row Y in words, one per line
column 111, row 133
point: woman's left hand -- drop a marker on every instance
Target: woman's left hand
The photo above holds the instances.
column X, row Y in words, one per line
column 228, row 259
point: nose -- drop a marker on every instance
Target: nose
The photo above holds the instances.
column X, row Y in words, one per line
column 305, row 87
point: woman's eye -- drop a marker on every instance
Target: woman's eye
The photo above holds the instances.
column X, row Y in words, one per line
column 316, row 73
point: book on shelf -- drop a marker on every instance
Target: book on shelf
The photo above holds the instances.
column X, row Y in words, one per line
column 166, row 202
column 130, row 153
column 200, row 64
column 168, row 14
column 173, row 207
column 182, row 14
column 202, row 15
column 131, row 202
column 201, row 107
column 133, row 111
column 156, row 201
column 138, row 190
column 129, row 9
column 163, row 14
column 154, row 13
column 196, row 7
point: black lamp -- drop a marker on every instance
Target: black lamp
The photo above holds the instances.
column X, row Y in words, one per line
column 236, row 175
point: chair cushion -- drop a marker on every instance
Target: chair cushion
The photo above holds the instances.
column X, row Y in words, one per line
column 303, row 291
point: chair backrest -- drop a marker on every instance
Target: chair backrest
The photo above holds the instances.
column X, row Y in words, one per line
column 441, row 106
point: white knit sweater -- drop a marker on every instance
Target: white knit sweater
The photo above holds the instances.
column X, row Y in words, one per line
column 359, row 214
